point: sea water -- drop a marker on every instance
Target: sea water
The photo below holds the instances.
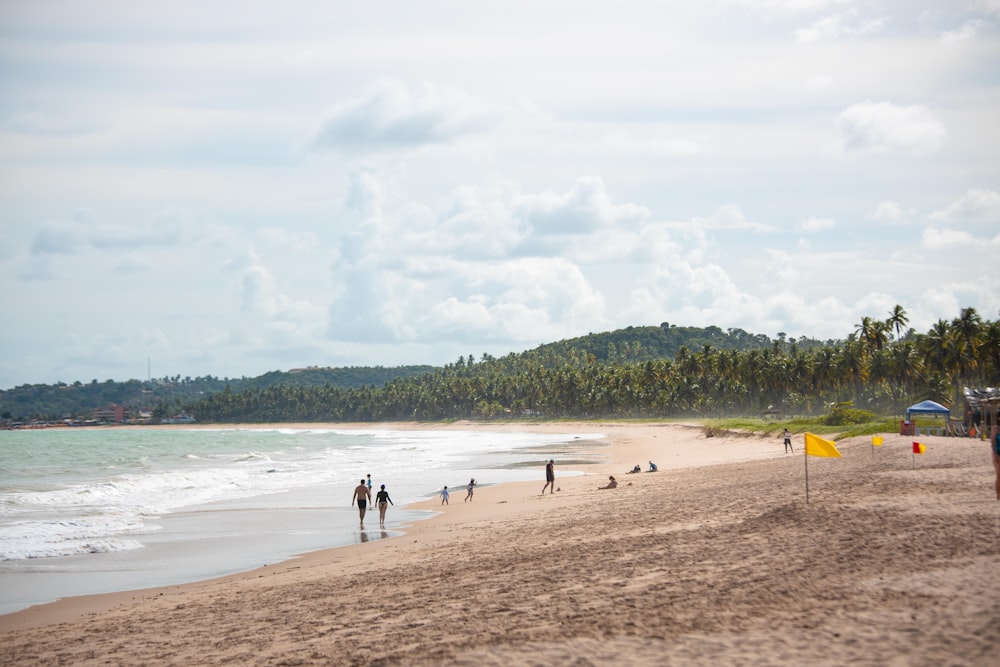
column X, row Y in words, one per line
column 86, row 511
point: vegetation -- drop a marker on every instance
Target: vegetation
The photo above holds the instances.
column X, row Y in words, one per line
column 635, row 373
column 169, row 395
column 880, row 368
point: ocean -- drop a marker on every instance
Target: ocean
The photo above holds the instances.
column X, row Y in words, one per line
column 85, row 511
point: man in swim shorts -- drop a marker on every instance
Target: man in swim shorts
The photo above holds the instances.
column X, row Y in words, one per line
column 363, row 495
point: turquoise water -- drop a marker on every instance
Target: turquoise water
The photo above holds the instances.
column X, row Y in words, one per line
column 86, row 511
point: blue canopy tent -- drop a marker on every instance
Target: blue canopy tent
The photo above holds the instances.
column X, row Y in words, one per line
column 927, row 408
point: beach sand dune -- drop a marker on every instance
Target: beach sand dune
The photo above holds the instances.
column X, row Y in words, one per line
column 894, row 561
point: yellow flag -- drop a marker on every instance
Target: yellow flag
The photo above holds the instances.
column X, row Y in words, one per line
column 877, row 440
column 817, row 446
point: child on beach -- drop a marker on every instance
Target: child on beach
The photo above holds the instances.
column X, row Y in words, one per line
column 788, row 441
column 469, row 488
column 444, row 496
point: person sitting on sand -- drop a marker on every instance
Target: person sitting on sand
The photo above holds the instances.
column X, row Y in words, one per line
column 637, row 468
column 612, row 483
column 652, row 467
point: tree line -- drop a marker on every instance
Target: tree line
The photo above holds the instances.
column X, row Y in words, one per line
column 882, row 366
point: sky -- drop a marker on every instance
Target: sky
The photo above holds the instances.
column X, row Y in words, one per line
column 228, row 188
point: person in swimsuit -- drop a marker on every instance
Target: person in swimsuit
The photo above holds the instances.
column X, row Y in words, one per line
column 383, row 501
column 469, row 489
column 550, row 477
column 362, row 494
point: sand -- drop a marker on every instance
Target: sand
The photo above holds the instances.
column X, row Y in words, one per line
column 895, row 560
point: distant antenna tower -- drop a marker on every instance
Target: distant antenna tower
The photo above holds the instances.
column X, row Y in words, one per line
column 149, row 374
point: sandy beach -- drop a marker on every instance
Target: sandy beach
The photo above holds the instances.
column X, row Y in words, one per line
column 716, row 559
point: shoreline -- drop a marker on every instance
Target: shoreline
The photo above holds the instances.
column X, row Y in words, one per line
column 625, row 448
column 893, row 559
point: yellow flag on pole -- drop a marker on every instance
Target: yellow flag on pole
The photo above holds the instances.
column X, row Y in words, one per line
column 876, row 440
column 817, row 446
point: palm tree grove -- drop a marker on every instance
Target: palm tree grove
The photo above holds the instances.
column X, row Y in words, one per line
column 661, row 372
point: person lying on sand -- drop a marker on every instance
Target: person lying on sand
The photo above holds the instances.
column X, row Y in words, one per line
column 612, row 483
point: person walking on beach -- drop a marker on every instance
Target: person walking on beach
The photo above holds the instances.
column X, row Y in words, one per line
column 550, row 477
column 369, row 481
column 444, row 496
column 362, row 494
column 383, row 501
column 788, row 441
column 469, row 488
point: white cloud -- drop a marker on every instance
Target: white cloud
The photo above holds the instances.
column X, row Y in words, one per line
column 943, row 239
column 965, row 33
column 729, row 217
column 815, row 224
column 585, row 208
column 882, row 127
column 836, row 26
column 390, row 115
column 891, row 212
column 976, row 207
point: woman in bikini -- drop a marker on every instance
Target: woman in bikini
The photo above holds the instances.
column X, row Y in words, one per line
column 383, row 501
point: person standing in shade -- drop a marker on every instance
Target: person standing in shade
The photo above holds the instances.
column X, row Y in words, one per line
column 550, row 477
column 383, row 501
column 363, row 495
column 469, row 488
column 788, row 441
column 444, row 496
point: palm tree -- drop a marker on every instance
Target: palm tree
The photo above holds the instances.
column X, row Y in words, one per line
column 897, row 319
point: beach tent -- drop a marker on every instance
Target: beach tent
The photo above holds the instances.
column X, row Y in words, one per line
column 927, row 408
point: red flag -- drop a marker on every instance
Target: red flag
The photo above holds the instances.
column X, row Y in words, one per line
column 918, row 448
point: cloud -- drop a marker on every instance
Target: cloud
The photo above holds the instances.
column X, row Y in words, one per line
column 889, row 211
column 977, row 207
column 730, row 217
column 965, row 33
column 792, row 6
column 837, row 26
column 881, row 127
column 390, row 115
column 815, row 224
column 585, row 208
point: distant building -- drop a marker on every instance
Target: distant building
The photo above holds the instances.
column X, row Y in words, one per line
column 111, row 414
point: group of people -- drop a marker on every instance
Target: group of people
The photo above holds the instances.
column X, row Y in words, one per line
column 363, row 495
column 638, row 468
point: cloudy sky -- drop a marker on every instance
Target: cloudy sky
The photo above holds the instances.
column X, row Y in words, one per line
column 227, row 188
